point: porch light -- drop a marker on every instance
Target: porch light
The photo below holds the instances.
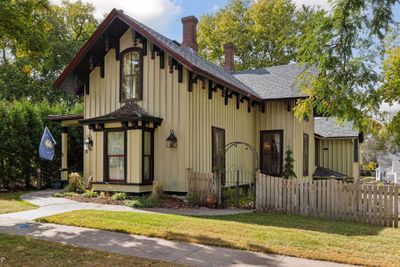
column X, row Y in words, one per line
column 88, row 143
column 172, row 142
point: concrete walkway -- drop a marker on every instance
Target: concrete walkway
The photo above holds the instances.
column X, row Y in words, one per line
column 152, row 248
column 49, row 205
column 20, row 223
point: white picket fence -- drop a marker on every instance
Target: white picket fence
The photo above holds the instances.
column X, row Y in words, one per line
column 371, row 204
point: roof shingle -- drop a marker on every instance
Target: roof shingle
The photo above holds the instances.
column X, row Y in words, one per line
column 328, row 128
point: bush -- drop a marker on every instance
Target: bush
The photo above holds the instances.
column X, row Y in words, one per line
column 119, row 196
column 193, row 199
column 21, row 128
column 90, row 194
column 142, row 202
column 76, row 183
column 64, row 194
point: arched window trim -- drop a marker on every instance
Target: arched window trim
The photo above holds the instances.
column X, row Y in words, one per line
column 140, row 89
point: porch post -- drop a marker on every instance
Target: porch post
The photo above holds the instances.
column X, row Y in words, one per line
column 64, row 155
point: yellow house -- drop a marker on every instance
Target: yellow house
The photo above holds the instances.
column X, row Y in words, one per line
column 154, row 109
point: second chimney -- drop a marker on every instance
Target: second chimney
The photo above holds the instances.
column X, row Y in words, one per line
column 190, row 32
column 229, row 57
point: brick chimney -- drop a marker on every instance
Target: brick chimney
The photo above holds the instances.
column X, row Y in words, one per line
column 229, row 49
column 190, row 32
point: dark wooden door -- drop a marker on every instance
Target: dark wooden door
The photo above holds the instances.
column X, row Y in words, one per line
column 218, row 152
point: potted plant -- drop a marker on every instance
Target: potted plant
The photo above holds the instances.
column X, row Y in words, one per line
column 211, row 201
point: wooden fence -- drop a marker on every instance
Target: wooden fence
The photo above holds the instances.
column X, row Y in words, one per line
column 201, row 185
column 371, row 204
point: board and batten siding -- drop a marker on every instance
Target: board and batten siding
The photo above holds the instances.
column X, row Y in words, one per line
column 277, row 117
column 163, row 96
column 239, row 125
column 338, row 155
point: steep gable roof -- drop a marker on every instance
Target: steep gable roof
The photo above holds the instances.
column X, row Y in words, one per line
column 185, row 56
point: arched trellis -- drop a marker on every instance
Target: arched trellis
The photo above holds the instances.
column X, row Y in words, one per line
column 236, row 144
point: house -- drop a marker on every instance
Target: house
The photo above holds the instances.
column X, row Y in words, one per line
column 388, row 169
column 154, row 109
column 337, row 150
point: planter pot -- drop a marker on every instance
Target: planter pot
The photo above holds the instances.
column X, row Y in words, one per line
column 211, row 201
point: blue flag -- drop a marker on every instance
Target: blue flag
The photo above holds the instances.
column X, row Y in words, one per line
column 46, row 147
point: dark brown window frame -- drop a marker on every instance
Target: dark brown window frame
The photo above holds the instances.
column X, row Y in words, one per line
column 317, row 145
column 121, row 68
column 216, row 129
column 356, row 148
column 280, row 132
column 106, row 169
column 151, row 131
column 306, row 158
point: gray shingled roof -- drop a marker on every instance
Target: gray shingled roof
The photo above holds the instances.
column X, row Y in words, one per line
column 194, row 58
column 274, row 82
column 321, row 172
column 328, row 128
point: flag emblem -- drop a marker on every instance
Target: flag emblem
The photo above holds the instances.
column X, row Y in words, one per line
column 46, row 147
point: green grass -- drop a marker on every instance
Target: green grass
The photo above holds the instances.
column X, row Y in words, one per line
column 11, row 202
column 271, row 233
column 23, row 251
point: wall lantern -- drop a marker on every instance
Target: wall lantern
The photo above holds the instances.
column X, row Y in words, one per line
column 88, row 143
column 172, row 142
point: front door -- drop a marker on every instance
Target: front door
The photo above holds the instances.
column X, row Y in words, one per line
column 218, row 152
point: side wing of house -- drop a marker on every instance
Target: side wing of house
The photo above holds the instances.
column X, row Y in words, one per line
column 336, row 149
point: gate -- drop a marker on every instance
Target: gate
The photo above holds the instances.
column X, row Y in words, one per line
column 238, row 181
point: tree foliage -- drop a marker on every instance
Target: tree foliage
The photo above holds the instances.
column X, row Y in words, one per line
column 263, row 32
column 21, row 127
column 61, row 32
column 344, row 45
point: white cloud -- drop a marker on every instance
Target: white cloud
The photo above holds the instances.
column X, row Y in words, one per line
column 322, row 3
column 153, row 13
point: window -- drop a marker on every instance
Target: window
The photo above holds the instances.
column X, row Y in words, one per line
column 115, row 161
column 355, row 150
column 306, row 154
column 131, row 74
column 218, row 152
column 148, row 157
column 271, row 152
column 316, row 151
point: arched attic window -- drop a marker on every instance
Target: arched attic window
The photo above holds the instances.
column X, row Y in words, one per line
column 131, row 74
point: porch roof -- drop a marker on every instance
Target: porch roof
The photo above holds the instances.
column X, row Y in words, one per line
column 131, row 111
column 66, row 120
column 322, row 172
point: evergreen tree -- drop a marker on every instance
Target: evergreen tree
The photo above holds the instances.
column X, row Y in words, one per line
column 288, row 172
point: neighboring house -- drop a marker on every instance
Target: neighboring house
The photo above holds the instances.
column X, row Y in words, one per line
column 336, row 149
column 143, row 91
column 388, row 168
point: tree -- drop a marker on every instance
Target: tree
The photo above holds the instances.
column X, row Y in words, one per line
column 288, row 172
column 263, row 32
column 343, row 45
column 23, row 76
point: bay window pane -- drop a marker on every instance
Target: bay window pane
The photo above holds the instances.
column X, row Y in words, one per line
column 116, row 155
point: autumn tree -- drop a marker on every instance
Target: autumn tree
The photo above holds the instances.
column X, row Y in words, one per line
column 263, row 32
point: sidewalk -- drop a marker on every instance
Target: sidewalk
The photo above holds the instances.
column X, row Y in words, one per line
column 152, row 248
column 49, row 205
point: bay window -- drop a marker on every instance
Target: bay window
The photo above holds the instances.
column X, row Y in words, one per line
column 115, row 156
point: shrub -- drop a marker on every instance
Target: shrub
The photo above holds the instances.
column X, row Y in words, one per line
column 120, row 196
column 90, row 194
column 193, row 199
column 142, row 202
column 64, row 194
column 76, row 183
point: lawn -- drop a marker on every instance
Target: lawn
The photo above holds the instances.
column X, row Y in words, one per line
column 22, row 251
column 273, row 233
column 11, row 202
